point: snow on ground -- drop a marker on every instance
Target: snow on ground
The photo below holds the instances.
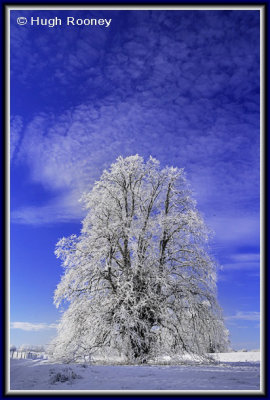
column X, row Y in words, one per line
column 245, row 356
column 28, row 374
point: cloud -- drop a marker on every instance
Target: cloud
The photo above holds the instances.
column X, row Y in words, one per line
column 48, row 214
column 74, row 51
column 244, row 315
column 68, row 152
column 190, row 103
column 243, row 261
column 64, row 207
column 204, row 56
column 239, row 227
column 16, row 126
column 29, row 326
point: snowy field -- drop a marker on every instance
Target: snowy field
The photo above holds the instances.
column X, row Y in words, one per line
column 235, row 371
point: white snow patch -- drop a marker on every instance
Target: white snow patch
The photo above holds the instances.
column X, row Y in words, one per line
column 231, row 374
column 247, row 356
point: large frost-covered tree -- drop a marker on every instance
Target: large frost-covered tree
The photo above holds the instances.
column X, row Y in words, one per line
column 138, row 279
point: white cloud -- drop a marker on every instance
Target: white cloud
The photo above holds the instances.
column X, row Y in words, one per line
column 29, row 326
column 244, row 261
column 234, row 227
column 244, row 315
column 65, row 208
column 165, row 105
column 46, row 214
column 68, row 152
column 15, row 130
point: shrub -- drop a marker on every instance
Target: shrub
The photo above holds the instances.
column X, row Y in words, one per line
column 64, row 375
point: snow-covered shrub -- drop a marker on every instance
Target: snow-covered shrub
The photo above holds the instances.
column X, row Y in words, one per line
column 64, row 375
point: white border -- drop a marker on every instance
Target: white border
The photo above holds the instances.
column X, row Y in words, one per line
column 262, row 216
column 138, row 8
column 153, row 7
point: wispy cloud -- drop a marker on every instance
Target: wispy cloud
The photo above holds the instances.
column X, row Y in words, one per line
column 48, row 214
column 242, row 225
column 246, row 261
column 244, row 315
column 68, row 152
column 15, row 131
column 29, row 326
column 64, row 208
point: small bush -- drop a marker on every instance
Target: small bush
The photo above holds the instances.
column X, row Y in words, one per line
column 66, row 374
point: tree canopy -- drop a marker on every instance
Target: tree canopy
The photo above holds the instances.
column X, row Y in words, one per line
column 139, row 278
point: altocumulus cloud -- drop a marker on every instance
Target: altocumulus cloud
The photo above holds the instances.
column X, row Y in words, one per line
column 187, row 96
column 30, row 326
column 204, row 53
column 67, row 153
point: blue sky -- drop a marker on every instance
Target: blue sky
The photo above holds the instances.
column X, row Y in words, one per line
column 182, row 86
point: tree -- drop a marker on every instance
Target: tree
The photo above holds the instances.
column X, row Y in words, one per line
column 32, row 347
column 138, row 278
column 12, row 350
